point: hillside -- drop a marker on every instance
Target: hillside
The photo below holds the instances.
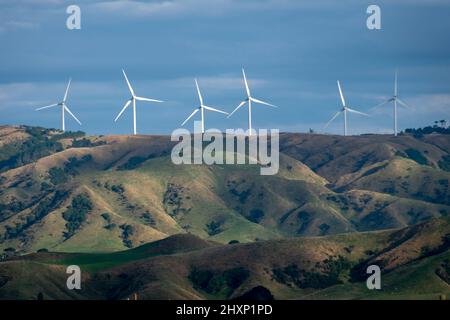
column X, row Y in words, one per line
column 74, row 193
column 415, row 263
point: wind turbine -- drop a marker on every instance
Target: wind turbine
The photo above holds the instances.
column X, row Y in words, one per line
column 64, row 108
column 249, row 100
column 344, row 110
column 395, row 100
column 133, row 99
column 201, row 108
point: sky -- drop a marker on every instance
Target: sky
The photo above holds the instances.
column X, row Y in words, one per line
column 293, row 52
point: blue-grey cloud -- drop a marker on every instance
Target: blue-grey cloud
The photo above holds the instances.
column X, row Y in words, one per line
column 293, row 51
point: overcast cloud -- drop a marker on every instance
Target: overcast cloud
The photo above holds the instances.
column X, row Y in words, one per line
column 293, row 52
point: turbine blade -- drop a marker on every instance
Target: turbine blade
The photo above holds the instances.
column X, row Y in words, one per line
column 192, row 114
column 341, row 94
column 332, row 119
column 128, row 82
column 67, row 90
column 49, row 106
column 395, row 84
column 354, row 111
column 237, row 108
column 263, row 102
column 73, row 116
column 120, row 113
column 403, row 104
column 215, row 110
column 246, row 84
column 147, row 99
column 199, row 93
column 383, row 103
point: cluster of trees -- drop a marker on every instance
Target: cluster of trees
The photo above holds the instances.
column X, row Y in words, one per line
column 439, row 126
column 84, row 143
column 41, row 143
column 62, row 175
column 214, row 227
column 44, row 207
column 440, row 123
column 107, row 217
column 37, row 146
column 332, row 268
column 76, row 214
column 67, row 135
column 216, row 282
column 127, row 232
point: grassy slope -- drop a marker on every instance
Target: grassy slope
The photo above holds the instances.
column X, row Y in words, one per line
column 335, row 156
column 401, row 177
column 417, row 280
column 244, row 204
column 162, row 269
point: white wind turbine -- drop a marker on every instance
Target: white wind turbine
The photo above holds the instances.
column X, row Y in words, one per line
column 201, row 108
column 395, row 100
column 133, row 100
column 64, row 108
column 344, row 110
column 249, row 100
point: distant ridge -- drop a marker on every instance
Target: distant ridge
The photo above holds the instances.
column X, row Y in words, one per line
column 75, row 193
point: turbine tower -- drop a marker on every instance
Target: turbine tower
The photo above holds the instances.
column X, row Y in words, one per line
column 394, row 99
column 249, row 100
column 201, row 108
column 344, row 110
column 133, row 99
column 64, row 108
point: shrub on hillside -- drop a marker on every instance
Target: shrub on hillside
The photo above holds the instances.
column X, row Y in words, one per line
column 220, row 283
column 57, row 176
column 127, row 232
column 330, row 275
column 85, row 143
column 256, row 215
column 213, row 228
column 417, row 156
column 76, row 214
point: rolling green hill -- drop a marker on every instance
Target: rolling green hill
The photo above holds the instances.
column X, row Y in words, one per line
column 138, row 224
column 414, row 260
column 73, row 193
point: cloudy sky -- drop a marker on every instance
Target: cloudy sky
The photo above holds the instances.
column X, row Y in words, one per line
column 293, row 52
